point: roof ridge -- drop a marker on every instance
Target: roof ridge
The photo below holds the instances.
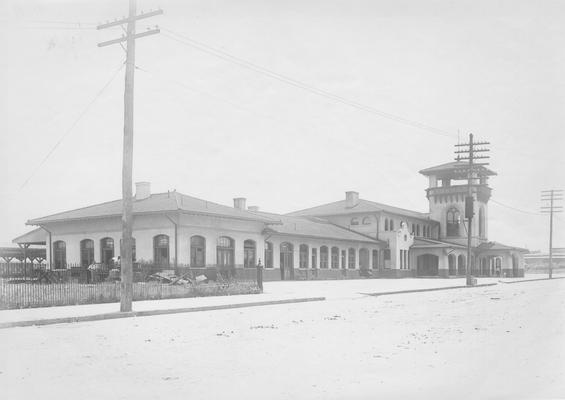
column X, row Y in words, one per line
column 399, row 208
column 310, row 208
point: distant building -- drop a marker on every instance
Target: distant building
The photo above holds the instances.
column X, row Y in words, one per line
column 344, row 239
column 538, row 261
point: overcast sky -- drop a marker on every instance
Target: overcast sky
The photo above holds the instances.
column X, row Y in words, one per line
column 211, row 128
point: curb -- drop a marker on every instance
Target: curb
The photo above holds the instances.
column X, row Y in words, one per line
column 147, row 313
column 428, row 290
column 534, row 280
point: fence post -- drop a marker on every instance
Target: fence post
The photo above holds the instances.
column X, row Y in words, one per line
column 260, row 275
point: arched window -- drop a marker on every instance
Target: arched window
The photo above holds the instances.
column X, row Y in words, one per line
column 161, row 250
column 386, row 224
column 366, row 221
column 461, row 265
column 197, row 251
column 418, row 230
column 268, row 255
column 314, row 258
column 303, row 256
column 354, row 221
column 413, row 229
column 335, row 257
column 482, row 232
column 391, row 225
column 225, row 252
column 324, row 257
column 86, row 252
column 249, row 252
column 287, row 260
column 453, row 217
column 351, row 258
column 59, row 255
column 364, row 259
column 375, row 259
column 106, row 251
column 451, row 261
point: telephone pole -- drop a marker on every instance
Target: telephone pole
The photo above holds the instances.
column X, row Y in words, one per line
column 126, row 253
column 552, row 196
column 468, row 151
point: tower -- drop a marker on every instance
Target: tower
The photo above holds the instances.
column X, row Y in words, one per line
column 446, row 194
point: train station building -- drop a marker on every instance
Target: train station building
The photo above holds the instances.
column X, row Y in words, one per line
column 348, row 238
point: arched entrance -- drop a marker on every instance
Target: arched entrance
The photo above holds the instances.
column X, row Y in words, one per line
column 287, row 261
column 461, row 265
column 428, row 265
column 452, row 261
column 364, row 259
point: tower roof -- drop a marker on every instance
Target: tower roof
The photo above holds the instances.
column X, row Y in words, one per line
column 455, row 170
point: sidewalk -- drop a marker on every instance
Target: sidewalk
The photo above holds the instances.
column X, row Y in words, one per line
column 274, row 292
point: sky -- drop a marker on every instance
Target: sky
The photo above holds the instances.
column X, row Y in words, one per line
column 210, row 127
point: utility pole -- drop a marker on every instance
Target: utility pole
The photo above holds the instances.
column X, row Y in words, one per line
column 126, row 253
column 552, row 196
column 467, row 151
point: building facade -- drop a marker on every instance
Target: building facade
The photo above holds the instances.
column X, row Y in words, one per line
column 349, row 238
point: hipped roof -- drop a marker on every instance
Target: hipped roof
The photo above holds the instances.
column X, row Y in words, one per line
column 154, row 204
column 314, row 228
column 363, row 206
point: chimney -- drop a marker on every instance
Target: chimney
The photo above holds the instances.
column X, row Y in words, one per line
column 239, row 203
column 351, row 199
column 253, row 208
column 142, row 190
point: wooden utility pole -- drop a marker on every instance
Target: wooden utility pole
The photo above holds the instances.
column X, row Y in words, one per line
column 469, row 153
column 552, row 196
column 126, row 251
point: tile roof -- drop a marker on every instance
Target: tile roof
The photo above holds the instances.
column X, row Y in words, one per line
column 315, row 228
column 156, row 203
column 499, row 246
column 340, row 208
column 421, row 243
column 453, row 166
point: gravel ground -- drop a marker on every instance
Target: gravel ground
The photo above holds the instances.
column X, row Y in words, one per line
column 504, row 341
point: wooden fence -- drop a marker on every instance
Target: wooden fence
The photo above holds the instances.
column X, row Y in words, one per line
column 38, row 286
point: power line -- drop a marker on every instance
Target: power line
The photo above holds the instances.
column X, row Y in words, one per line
column 358, row 149
column 514, row 208
column 222, row 54
column 73, row 125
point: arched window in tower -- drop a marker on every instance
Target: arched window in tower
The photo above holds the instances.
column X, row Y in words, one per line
column 482, row 232
column 391, row 225
column 453, row 217
column 386, row 224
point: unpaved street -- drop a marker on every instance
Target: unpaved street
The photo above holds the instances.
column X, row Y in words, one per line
column 505, row 341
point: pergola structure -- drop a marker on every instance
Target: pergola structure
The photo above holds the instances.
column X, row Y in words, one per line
column 24, row 252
